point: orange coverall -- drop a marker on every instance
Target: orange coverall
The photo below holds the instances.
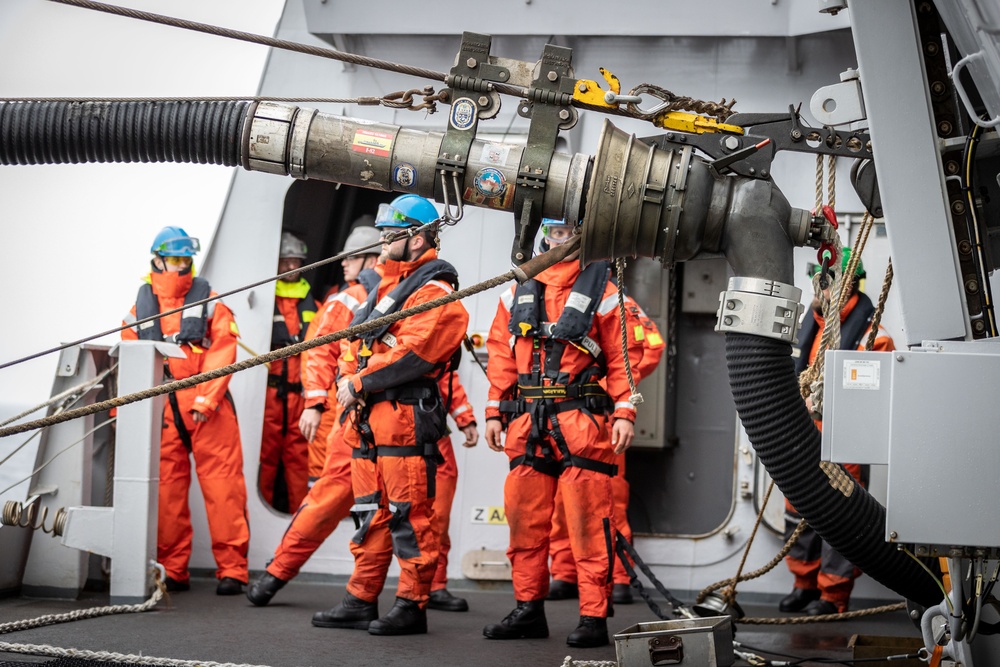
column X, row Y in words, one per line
column 215, row 444
column 645, row 332
column 397, row 492
column 282, row 445
column 529, row 495
column 813, row 562
column 330, row 497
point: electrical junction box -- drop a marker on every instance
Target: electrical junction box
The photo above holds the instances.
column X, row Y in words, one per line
column 930, row 413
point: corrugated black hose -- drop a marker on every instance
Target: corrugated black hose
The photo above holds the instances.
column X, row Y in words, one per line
column 762, row 377
column 79, row 132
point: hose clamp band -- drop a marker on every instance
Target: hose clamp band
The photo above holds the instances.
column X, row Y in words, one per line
column 760, row 307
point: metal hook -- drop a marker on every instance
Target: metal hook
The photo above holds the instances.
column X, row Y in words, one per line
column 450, row 218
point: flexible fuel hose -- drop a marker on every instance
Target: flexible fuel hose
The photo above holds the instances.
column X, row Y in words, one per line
column 81, row 132
column 762, row 377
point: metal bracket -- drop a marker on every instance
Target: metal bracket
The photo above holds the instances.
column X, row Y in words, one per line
column 549, row 106
column 760, row 307
column 472, row 99
column 786, row 133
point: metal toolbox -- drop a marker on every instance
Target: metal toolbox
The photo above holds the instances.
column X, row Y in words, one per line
column 701, row 642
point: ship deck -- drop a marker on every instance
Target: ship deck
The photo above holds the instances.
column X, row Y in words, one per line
column 198, row 625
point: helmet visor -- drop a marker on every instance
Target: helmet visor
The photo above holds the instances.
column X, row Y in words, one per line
column 389, row 216
column 181, row 246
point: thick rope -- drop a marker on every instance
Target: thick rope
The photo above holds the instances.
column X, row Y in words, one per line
column 104, row 656
column 281, row 353
column 389, row 238
column 831, row 181
column 877, row 318
column 635, row 397
column 522, row 273
column 824, row 618
column 81, row 389
column 730, row 595
column 397, row 100
column 256, row 39
column 720, row 110
column 780, row 556
column 570, row 662
column 819, row 184
column 80, row 614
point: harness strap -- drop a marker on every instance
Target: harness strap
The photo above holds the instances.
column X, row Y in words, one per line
column 182, row 430
column 548, row 467
column 561, row 391
column 277, row 381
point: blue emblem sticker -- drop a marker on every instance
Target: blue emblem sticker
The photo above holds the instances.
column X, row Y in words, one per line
column 404, row 175
column 463, row 113
column 490, row 182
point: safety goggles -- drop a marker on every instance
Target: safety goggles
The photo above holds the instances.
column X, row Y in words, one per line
column 389, row 216
column 177, row 261
column 185, row 246
column 557, row 234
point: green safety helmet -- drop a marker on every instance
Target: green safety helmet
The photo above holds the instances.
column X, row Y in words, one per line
column 845, row 259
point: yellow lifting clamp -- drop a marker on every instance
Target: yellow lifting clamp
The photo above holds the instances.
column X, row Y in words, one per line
column 590, row 92
column 693, row 123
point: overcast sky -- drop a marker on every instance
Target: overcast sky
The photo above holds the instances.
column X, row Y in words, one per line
column 76, row 237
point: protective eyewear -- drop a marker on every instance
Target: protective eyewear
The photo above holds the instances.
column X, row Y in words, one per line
column 177, row 261
column 184, row 246
column 388, row 216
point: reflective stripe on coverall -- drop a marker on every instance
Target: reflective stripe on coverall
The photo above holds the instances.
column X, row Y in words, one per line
column 529, row 495
column 319, row 369
column 563, row 566
column 215, row 444
column 397, row 491
column 813, row 562
column 282, row 445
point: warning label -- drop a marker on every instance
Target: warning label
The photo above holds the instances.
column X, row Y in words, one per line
column 861, row 374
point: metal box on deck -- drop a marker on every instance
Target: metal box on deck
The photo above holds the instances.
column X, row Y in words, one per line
column 701, row 642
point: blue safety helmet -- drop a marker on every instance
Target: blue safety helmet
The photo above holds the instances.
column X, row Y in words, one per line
column 174, row 242
column 406, row 211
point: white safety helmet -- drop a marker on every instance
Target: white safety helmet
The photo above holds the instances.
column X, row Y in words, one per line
column 363, row 236
column 292, row 247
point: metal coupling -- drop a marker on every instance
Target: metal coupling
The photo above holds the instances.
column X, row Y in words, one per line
column 277, row 139
column 760, row 307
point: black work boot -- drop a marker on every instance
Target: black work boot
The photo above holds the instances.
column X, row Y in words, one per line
column 527, row 621
column 591, row 632
column 352, row 613
column 563, row 590
column 798, row 599
column 263, row 588
column 229, row 586
column 442, row 600
column 405, row 618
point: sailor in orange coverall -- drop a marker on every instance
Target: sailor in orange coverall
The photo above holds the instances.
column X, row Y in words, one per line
column 330, row 495
column 563, row 585
column 395, row 418
column 318, row 376
column 199, row 420
column 283, row 475
column 823, row 578
column 551, row 343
